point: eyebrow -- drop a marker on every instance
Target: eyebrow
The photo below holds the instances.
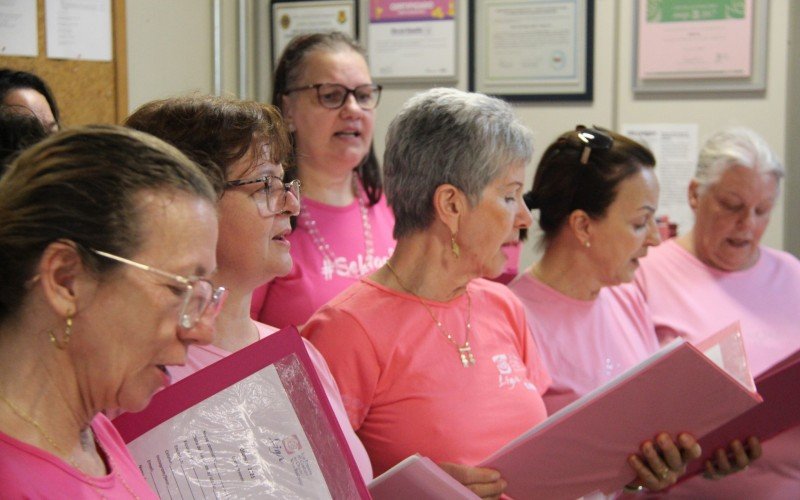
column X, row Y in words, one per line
column 649, row 208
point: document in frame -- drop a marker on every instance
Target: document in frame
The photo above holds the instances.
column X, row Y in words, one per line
column 268, row 432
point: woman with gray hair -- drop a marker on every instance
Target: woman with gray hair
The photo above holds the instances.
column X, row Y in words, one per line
column 429, row 357
column 719, row 273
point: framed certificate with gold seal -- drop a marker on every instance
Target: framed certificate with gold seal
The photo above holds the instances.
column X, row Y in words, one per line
column 290, row 18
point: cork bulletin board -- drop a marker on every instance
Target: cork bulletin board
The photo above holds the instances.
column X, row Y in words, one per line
column 86, row 91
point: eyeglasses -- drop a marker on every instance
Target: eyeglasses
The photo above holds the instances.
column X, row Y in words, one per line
column 200, row 297
column 333, row 95
column 592, row 139
column 275, row 193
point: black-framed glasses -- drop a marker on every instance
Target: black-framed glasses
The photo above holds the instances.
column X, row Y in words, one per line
column 275, row 199
column 334, row 95
column 592, row 139
column 200, row 296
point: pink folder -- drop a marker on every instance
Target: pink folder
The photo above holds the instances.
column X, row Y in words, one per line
column 417, row 477
column 583, row 447
column 182, row 437
column 779, row 386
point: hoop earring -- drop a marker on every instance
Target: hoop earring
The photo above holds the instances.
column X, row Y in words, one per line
column 454, row 246
column 67, row 333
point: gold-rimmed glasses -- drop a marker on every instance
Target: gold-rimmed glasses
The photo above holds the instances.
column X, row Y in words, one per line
column 200, row 296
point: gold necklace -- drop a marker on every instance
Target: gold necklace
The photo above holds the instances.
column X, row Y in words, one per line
column 464, row 350
column 29, row 419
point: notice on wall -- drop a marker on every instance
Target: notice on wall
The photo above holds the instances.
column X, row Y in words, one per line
column 675, row 149
column 78, row 29
column 19, row 34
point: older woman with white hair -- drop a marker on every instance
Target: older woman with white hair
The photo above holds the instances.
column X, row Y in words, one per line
column 719, row 272
column 429, row 357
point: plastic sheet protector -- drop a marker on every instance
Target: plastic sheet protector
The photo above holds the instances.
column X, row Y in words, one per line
column 256, row 424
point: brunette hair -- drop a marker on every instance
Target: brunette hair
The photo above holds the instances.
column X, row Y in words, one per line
column 83, row 185
column 290, row 68
column 11, row 80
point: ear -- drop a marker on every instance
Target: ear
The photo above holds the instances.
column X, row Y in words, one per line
column 63, row 277
column 693, row 193
column 449, row 204
column 580, row 224
column 287, row 110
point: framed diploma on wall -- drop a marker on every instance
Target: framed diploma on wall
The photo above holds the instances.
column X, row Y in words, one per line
column 709, row 46
column 289, row 18
column 532, row 50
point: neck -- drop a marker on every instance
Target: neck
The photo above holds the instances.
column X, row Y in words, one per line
column 686, row 241
column 234, row 328
column 41, row 403
column 327, row 187
column 567, row 270
column 425, row 267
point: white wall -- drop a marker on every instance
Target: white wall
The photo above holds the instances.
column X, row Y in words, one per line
column 170, row 52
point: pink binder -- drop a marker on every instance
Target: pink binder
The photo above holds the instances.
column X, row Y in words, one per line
column 417, row 477
column 779, row 386
column 583, row 447
column 257, row 422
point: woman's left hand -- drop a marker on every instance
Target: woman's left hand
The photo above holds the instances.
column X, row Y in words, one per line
column 663, row 461
column 736, row 458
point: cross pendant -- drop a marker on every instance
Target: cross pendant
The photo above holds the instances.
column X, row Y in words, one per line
column 465, row 352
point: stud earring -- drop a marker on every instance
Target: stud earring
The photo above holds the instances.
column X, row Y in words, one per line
column 587, row 244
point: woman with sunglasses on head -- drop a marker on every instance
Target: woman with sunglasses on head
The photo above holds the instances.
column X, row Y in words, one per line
column 107, row 237
column 344, row 229
column 241, row 146
column 597, row 193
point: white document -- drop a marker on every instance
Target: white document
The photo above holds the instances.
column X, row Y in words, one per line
column 19, row 33
column 78, row 29
column 675, row 148
column 243, row 442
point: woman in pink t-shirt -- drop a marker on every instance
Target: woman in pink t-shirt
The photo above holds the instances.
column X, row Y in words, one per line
column 242, row 145
column 430, row 358
column 323, row 87
column 719, row 272
column 107, row 238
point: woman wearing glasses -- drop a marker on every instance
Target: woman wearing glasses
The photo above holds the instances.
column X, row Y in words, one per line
column 430, row 358
column 106, row 237
column 344, row 228
column 597, row 193
column 241, row 145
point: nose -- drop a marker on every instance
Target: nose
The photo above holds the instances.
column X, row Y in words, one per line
column 523, row 219
column 292, row 204
column 748, row 218
column 653, row 234
column 350, row 106
column 201, row 333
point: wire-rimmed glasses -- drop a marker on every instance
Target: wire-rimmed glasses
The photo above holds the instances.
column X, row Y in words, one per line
column 275, row 191
column 200, row 296
column 334, row 95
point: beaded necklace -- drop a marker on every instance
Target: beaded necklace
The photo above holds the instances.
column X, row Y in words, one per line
column 319, row 241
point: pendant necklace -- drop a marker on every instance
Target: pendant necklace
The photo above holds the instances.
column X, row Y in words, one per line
column 464, row 350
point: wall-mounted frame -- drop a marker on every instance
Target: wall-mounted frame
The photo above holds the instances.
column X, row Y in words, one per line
column 413, row 41
column 532, row 50
column 719, row 46
column 289, row 18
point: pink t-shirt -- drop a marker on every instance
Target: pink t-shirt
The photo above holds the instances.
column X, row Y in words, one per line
column 585, row 343
column 313, row 280
column 29, row 472
column 692, row 300
column 404, row 387
column 199, row 357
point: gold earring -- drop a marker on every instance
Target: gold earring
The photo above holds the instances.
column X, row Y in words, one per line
column 67, row 333
column 587, row 244
column 454, row 246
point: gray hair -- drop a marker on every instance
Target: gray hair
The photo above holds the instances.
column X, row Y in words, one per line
column 737, row 146
column 447, row 136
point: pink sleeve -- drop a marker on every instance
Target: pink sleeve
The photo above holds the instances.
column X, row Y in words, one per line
column 335, row 398
column 351, row 357
column 530, row 352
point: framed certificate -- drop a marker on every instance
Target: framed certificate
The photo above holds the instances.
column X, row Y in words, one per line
column 412, row 40
column 711, row 46
column 289, row 18
column 532, row 50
